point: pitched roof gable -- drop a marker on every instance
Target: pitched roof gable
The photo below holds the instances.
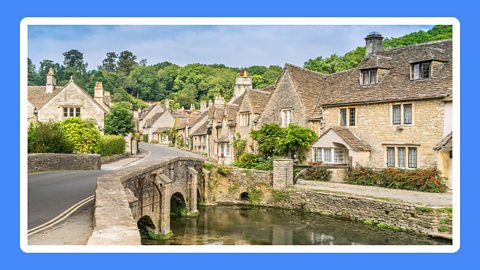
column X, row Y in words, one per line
column 38, row 96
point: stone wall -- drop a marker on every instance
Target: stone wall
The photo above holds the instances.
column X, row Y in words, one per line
column 40, row 162
column 403, row 216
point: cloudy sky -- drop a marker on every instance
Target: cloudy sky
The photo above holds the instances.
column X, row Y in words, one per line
column 237, row 46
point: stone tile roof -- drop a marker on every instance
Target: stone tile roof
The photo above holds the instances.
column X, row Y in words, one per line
column 196, row 117
column 180, row 122
column 231, row 113
column 350, row 138
column 38, row 96
column 308, row 85
column 238, row 100
column 258, row 100
column 161, row 129
column 202, row 130
column 152, row 120
column 344, row 87
column 146, row 111
column 445, row 143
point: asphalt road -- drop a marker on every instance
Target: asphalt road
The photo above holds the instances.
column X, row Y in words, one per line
column 51, row 193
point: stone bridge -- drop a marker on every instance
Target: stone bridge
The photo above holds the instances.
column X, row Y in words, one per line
column 145, row 194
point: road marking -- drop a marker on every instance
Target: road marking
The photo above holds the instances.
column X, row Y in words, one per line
column 65, row 214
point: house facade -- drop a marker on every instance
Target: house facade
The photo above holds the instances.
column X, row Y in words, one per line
column 55, row 103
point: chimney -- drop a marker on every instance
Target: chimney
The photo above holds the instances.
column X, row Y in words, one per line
column 210, row 103
column 106, row 97
column 203, row 105
column 98, row 92
column 167, row 104
column 192, row 107
column 51, row 80
column 373, row 43
column 219, row 101
column 242, row 83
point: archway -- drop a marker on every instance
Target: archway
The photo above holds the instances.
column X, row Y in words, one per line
column 178, row 207
column 244, row 196
column 145, row 225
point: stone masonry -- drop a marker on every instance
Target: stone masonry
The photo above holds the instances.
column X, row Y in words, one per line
column 40, row 162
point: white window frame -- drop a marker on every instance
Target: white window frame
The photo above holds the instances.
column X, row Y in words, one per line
column 369, row 79
column 408, row 150
column 419, row 66
column 71, row 112
column 329, row 158
column 244, row 119
column 285, row 117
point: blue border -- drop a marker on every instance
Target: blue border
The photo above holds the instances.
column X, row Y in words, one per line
column 13, row 257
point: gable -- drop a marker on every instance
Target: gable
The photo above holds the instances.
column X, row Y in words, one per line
column 73, row 96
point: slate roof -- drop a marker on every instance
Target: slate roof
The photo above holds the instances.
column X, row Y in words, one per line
column 38, row 96
column 153, row 119
column 344, row 87
column 445, row 143
column 202, row 130
column 258, row 100
column 350, row 138
column 231, row 113
column 180, row 122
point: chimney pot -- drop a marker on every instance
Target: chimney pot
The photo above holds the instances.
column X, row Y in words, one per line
column 373, row 43
column 51, row 80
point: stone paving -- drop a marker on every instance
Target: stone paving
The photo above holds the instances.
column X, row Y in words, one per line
column 407, row 196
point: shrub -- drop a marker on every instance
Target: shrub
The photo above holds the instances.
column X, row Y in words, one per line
column 317, row 174
column 247, row 161
column 223, row 170
column 112, row 145
column 145, row 138
column 83, row 134
column 428, row 180
column 48, row 138
column 119, row 120
column 239, row 146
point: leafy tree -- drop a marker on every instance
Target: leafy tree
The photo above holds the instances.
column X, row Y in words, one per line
column 126, row 62
column 119, row 120
column 239, row 146
column 33, row 77
column 110, row 62
column 48, row 137
column 295, row 140
column 268, row 137
column 83, row 134
column 74, row 59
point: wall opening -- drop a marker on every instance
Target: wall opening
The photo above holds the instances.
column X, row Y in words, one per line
column 145, row 224
column 244, row 196
column 178, row 207
column 199, row 198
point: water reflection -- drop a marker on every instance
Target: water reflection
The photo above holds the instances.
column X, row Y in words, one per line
column 235, row 225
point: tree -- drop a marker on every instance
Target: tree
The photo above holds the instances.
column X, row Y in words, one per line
column 295, row 140
column 48, row 137
column 119, row 120
column 83, row 134
column 268, row 137
column 126, row 63
column 33, row 77
column 110, row 62
column 74, row 59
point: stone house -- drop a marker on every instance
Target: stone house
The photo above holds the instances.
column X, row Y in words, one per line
column 393, row 110
column 52, row 102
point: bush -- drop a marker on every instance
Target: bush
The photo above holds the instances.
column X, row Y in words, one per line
column 252, row 161
column 119, row 120
column 48, row 138
column 428, row 180
column 83, row 134
column 112, row 145
column 317, row 174
column 223, row 170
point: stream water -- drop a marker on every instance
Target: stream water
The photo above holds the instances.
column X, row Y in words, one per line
column 243, row 225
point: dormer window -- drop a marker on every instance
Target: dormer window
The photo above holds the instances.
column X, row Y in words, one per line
column 369, row 76
column 421, row 70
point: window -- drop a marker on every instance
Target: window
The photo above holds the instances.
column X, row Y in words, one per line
column 402, row 153
column 224, row 149
column 412, row 157
column 397, row 114
column 369, row 76
column 71, row 112
column 390, row 157
column 337, row 155
column 421, row 70
column 351, row 117
column 245, row 119
column 401, row 157
column 286, row 116
column 343, row 117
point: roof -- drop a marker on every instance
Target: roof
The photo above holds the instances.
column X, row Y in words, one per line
column 258, row 100
column 445, row 143
column 161, row 129
column 196, row 117
column 237, row 100
column 180, row 122
column 223, row 138
column 308, row 85
column 150, row 121
column 350, row 138
column 231, row 113
column 38, row 96
column 202, row 130
column 394, row 81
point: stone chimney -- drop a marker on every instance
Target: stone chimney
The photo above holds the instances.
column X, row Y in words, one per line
column 106, row 97
column 242, row 83
column 219, row 102
column 210, row 103
column 203, row 105
column 167, row 104
column 192, row 107
column 51, row 80
column 373, row 43
column 98, row 92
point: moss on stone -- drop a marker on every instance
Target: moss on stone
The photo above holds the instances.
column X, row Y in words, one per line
column 280, row 195
column 388, row 227
column 367, row 221
column 443, row 228
column 424, row 209
column 159, row 236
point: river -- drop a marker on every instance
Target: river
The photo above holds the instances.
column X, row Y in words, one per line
column 243, row 225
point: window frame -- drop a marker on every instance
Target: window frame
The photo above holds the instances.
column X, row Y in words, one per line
column 421, row 70
column 402, row 114
column 329, row 155
column 286, row 117
column 369, row 73
column 407, row 160
column 348, row 121
column 71, row 112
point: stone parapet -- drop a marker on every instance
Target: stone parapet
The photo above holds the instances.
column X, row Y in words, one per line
column 40, row 162
column 282, row 173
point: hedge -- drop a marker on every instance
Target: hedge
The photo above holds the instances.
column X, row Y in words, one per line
column 428, row 180
column 317, row 174
column 83, row 134
column 112, row 145
column 48, row 138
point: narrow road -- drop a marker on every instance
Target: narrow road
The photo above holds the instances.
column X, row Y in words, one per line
column 51, row 193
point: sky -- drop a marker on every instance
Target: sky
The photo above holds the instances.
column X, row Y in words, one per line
column 232, row 45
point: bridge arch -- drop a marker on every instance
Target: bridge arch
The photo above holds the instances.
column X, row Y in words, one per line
column 178, row 205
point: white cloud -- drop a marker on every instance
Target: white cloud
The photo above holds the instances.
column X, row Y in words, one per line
column 230, row 45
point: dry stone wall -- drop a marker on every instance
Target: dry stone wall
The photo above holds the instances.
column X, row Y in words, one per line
column 62, row 162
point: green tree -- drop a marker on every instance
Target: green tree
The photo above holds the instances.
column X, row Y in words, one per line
column 119, row 120
column 295, row 140
column 33, row 77
column 126, row 62
column 74, row 59
column 110, row 62
column 48, row 137
column 268, row 137
column 83, row 134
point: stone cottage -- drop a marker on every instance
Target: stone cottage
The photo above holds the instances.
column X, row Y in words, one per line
column 52, row 102
column 393, row 110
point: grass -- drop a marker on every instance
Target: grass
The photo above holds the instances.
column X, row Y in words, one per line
column 254, row 196
column 443, row 228
column 280, row 195
column 386, row 226
column 423, row 209
column 367, row 221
